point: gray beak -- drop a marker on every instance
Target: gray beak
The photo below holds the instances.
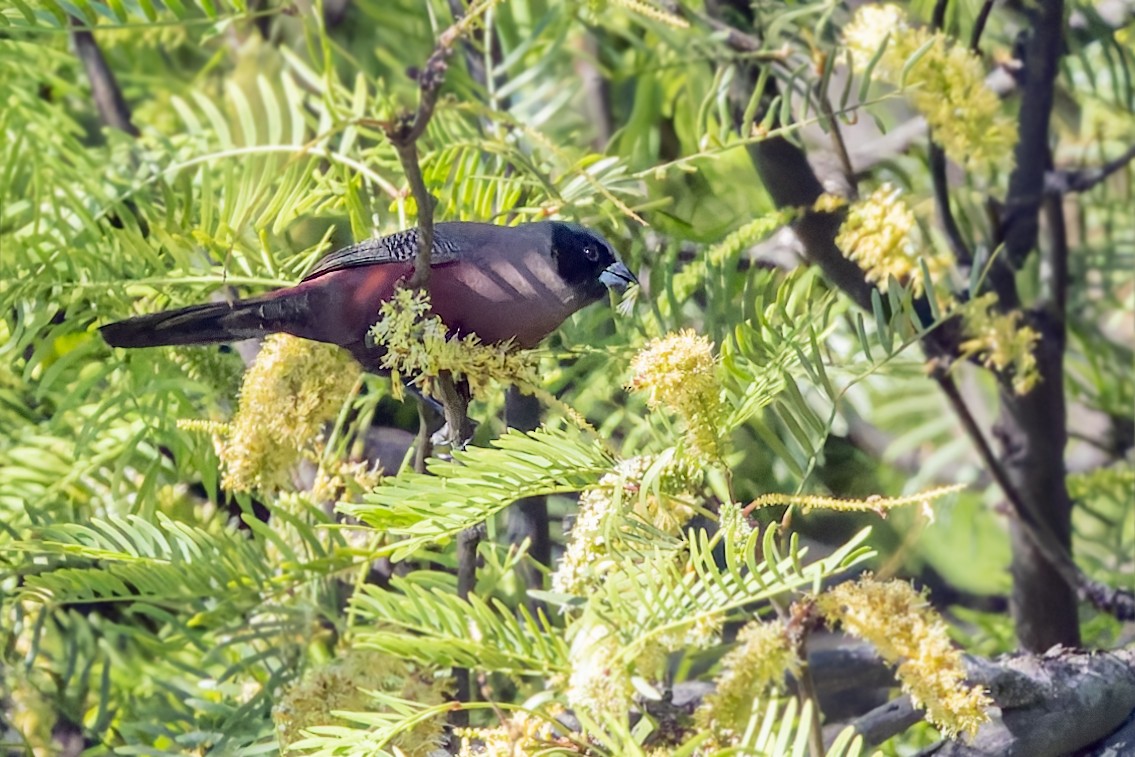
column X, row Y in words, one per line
column 617, row 277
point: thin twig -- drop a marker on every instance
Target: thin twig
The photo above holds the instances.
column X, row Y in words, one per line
column 838, row 143
column 528, row 517
column 404, row 136
column 474, row 61
column 802, row 620
column 1064, row 182
column 938, row 19
column 979, row 26
column 1119, row 603
column 949, row 387
column 734, row 37
column 937, row 159
column 405, row 131
column 957, row 244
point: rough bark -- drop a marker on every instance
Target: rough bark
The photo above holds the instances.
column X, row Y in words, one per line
column 1053, row 705
column 1032, row 428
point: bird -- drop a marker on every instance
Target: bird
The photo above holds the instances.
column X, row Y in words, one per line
column 506, row 284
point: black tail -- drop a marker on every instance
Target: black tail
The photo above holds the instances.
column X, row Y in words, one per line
column 199, row 324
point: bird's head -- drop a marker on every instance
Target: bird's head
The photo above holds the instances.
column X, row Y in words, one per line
column 585, row 260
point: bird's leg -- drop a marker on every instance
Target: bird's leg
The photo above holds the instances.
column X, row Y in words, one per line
column 423, row 445
column 458, row 429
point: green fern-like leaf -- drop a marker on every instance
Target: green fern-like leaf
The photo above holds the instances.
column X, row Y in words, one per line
column 478, row 483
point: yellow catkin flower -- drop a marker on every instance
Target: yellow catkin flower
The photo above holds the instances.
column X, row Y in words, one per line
column 875, row 503
column 600, row 683
column 946, row 84
column 419, row 347
column 643, row 8
column 907, row 632
column 648, row 10
column 678, row 372
column 520, row 735
column 341, row 685
column 756, row 666
column 724, row 253
column 882, row 237
column 621, row 493
column 293, row 389
column 1000, row 342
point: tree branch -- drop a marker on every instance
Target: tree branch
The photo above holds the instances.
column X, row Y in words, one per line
column 528, row 518
column 1064, row 182
column 958, row 246
column 1048, row 705
column 979, row 26
column 1030, row 470
column 789, row 178
column 885, row 721
column 467, row 543
column 1051, row 705
column 1026, row 184
column 111, row 105
column 405, row 131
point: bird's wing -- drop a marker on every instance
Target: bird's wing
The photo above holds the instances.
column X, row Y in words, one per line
column 400, row 247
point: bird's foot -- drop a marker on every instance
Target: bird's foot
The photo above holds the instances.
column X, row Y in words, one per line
column 446, row 437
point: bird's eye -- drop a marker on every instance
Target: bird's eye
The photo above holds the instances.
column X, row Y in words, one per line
column 591, row 252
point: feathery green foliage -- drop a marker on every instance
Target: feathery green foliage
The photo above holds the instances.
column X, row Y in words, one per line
column 145, row 610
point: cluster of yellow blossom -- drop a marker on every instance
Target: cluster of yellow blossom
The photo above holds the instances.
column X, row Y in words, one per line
column 882, row 237
column 946, row 84
column 756, row 666
column 418, row 347
column 679, row 372
column 341, row 685
column 630, row 488
column 338, row 478
column 293, row 389
column 1000, row 342
column 520, row 735
column 600, row 682
column 586, row 556
column 907, row 632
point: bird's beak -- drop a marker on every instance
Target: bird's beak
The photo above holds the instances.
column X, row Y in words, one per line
column 617, row 276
